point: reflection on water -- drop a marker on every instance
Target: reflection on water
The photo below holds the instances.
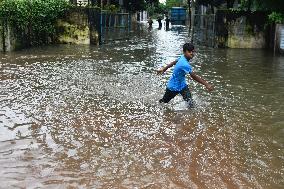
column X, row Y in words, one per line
column 88, row 117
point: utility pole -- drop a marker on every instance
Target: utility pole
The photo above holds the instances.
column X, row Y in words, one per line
column 189, row 12
column 191, row 4
column 101, row 24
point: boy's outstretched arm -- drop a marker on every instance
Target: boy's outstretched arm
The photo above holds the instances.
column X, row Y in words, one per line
column 163, row 69
column 202, row 81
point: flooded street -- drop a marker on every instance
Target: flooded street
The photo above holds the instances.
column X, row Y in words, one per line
column 89, row 117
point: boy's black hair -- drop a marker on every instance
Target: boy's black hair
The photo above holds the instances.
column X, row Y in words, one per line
column 188, row 47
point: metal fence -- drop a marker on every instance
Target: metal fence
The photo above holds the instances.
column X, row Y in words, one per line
column 204, row 29
column 114, row 26
column 110, row 26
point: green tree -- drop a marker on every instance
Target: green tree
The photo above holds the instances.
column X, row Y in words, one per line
column 175, row 3
column 276, row 17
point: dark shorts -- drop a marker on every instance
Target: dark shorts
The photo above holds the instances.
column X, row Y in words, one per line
column 169, row 95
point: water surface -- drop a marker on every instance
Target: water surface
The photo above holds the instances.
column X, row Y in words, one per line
column 89, row 117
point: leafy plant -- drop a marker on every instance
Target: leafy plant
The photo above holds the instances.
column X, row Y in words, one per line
column 35, row 18
column 276, row 17
column 111, row 8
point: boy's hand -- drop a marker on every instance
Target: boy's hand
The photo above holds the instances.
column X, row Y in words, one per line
column 209, row 87
column 161, row 71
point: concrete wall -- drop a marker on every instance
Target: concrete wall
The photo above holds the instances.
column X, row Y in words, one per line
column 72, row 33
column 241, row 29
column 279, row 38
column 77, row 27
column 8, row 39
column 242, row 34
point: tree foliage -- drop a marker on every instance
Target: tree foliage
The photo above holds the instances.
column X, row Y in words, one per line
column 175, row 3
column 265, row 5
column 157, row 10
column 275, row 8
column 276, row 17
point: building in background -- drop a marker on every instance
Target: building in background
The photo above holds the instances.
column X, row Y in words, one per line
column 96, row 2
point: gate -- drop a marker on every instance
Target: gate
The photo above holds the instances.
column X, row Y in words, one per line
column 204, row 30
column 114, row 26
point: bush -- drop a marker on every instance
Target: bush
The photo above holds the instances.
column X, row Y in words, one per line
column 276, row 17
column 35, row 17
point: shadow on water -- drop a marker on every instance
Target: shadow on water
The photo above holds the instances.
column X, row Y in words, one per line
column 88, row 117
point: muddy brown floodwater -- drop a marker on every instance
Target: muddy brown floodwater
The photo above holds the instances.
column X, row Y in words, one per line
column 89, row 117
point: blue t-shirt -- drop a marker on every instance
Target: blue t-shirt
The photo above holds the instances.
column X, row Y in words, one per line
column 177, row 81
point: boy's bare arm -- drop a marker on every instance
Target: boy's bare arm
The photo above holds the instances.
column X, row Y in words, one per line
column 163, row 69
column 202, row 81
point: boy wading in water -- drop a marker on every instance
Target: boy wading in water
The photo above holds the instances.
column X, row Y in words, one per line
column 177, row 83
